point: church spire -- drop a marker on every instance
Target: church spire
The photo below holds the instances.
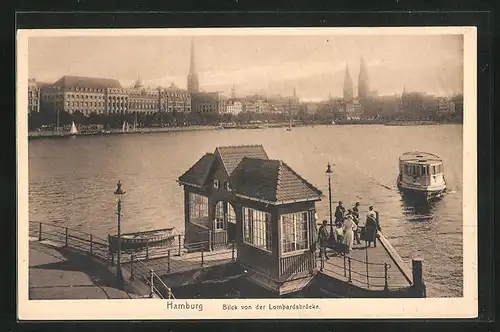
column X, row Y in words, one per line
column 363, row 86
column 348, row 90
column 192, row 81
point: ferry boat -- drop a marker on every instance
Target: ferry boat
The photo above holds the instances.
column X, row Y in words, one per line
column 139, row 240
column 421, row 173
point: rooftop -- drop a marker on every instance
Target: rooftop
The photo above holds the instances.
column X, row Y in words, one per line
column 68, row 82
column 254, row 175
column 419, row 157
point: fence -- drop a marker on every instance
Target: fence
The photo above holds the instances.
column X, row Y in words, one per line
column 69, row 237
column 175, row 253
column 362, row 272
column 150, row 278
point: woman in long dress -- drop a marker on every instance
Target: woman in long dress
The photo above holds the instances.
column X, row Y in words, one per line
column 349, row 228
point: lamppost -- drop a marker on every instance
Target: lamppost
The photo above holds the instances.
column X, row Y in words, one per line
column 329, row 172
column 119, row 192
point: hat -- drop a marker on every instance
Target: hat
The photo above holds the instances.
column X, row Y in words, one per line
column 340, row 202
column 325, row 222
column 357, row 204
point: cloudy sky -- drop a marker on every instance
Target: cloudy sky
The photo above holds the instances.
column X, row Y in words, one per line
column 314, row 65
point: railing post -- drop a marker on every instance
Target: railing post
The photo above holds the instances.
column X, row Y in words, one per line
column 349, row 262
column 112, row 257
column 91, row 245
column 345, row 269
column 202, row 250
column 386, row 285
column 179, row 239
column 418, row 281
column 151, row 290
column 132, row 267
column 366, row 263
column 66, row 238
column 168, row 261
column 210, row 244
column 232, row 253
column 147, row 251
column 39, row 231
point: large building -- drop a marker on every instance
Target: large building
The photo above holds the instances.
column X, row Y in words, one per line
column 209, row 102
column 33, row 96
column 173, row 99
column 192, row 81
column 143, row 100
column 83, row 94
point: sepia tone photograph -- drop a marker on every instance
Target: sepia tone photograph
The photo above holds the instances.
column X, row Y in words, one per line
column 296, row 166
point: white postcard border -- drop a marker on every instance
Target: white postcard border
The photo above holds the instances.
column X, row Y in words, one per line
column 146, row 309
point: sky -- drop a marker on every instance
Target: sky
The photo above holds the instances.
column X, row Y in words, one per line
column 314, row 65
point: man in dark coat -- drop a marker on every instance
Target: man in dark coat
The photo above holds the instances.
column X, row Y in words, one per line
column 339, row 214
column 323, row 237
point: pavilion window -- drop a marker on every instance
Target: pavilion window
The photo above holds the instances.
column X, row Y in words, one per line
column 219, row 216
column 198, row 209
column 295, row 232
column 257, row 229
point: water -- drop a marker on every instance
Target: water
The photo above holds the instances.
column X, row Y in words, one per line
column 72, row 182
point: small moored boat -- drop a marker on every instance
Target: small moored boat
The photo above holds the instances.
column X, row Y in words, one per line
column 421, row 173
column 139, row 240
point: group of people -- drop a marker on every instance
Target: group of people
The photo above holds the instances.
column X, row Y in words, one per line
column 349, row 229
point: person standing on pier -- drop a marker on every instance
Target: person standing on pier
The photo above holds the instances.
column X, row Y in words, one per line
column 323, row 237
column 355, row 214
column 349, row 229
column 339, row 214
column 371, row 227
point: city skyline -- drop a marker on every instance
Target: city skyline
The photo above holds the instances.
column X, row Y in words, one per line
column 313, row 65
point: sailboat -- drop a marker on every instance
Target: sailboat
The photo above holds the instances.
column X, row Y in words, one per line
column 73, row 130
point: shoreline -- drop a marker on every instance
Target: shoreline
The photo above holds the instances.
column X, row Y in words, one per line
column 53, row 134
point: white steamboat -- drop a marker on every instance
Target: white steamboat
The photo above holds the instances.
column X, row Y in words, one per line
column 421, row 174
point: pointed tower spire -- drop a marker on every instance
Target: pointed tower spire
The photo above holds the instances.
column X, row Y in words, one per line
column 348, row 90
column 233, row 92
column 192, row 81
column 363, row 83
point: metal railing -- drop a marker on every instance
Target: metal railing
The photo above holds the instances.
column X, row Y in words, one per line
column 69, row 237
column 150, row 277
column 361, row 271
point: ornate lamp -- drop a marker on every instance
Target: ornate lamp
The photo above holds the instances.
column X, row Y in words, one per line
column 329, row 172
column 119, row 194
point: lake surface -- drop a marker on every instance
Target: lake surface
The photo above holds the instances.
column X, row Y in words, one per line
column 72, row 180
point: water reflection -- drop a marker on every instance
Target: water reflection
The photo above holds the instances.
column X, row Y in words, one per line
column 418, row 209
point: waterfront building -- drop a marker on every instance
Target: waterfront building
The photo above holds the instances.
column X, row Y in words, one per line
column 72, row 94
column 238, row 194
column 192, row 80
column 116, row 101
column 234, row 107
column 208, row 102
column 33, row 96
column 174, row 99
column 445, row 106
column 143, row 100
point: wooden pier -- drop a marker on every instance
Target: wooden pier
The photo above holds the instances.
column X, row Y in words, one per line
column 371, row 268
column 364, row 272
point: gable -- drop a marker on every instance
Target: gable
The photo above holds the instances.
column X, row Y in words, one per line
column 232, row 155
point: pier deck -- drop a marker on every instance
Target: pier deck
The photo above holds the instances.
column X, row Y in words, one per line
column 165, row 265
column 369, row 276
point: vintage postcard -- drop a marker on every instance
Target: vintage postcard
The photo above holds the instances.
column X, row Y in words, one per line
column 247, row 173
